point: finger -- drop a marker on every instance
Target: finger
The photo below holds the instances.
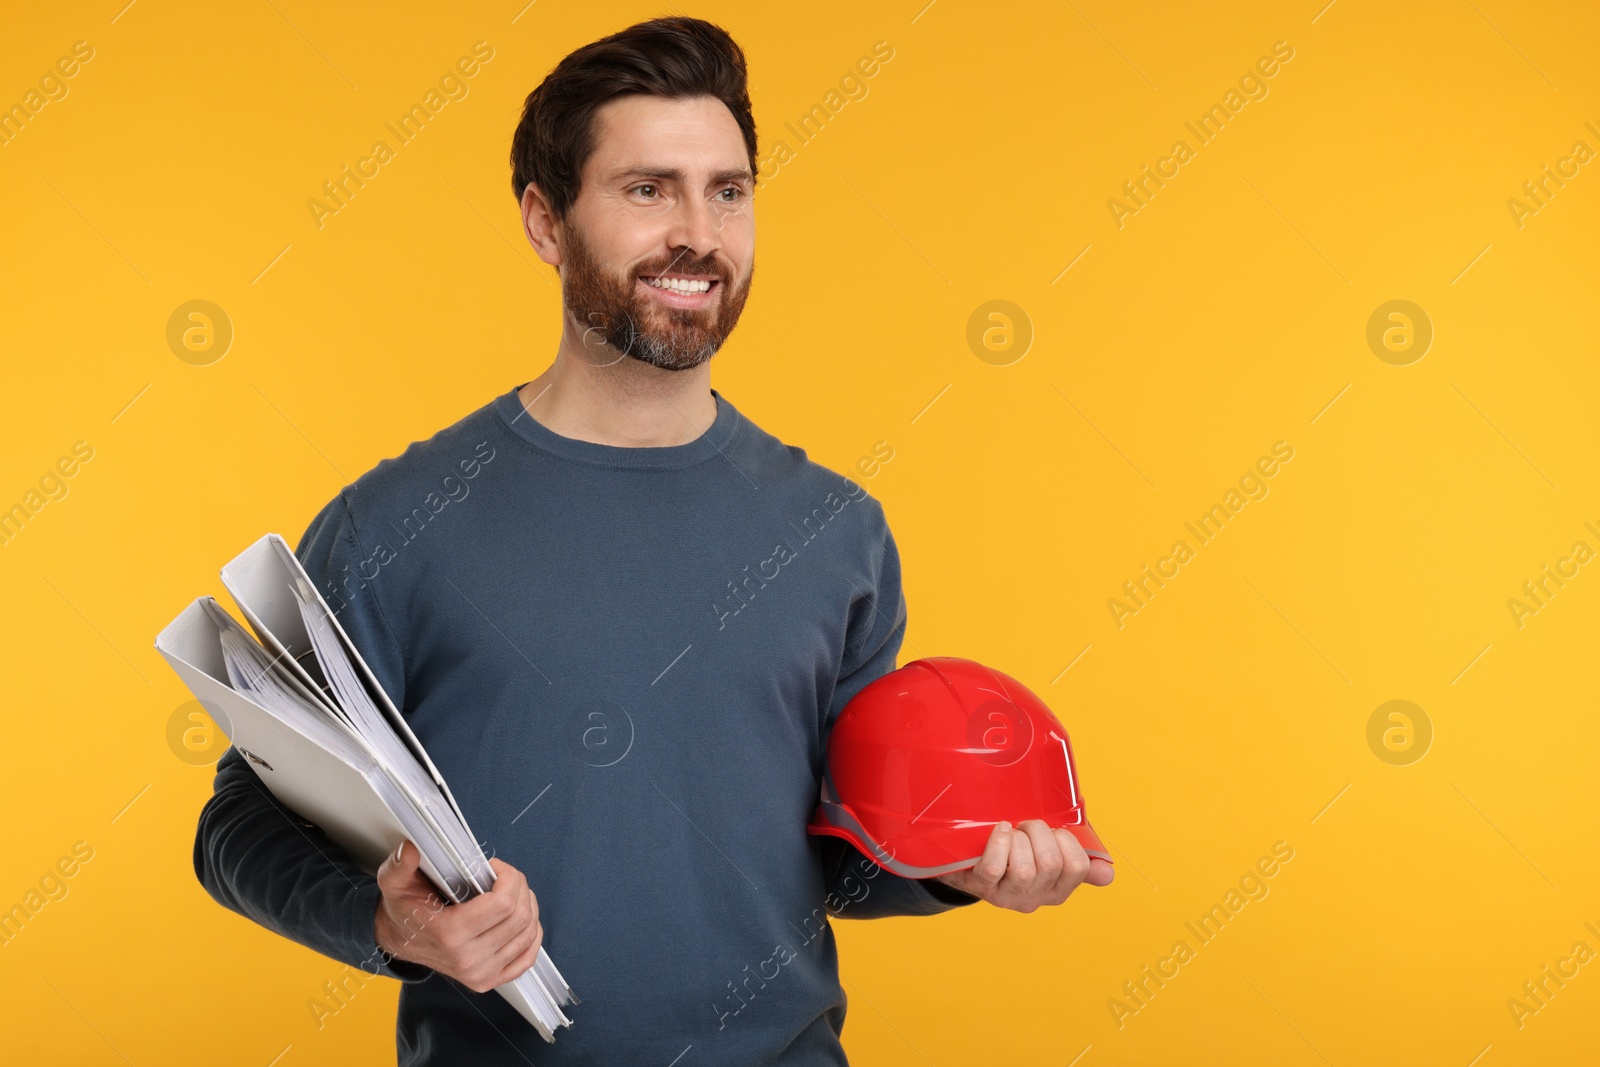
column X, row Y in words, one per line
column 508, row 880
column 1074, row 862
column 508, row 929
column 1047, row 859
column 398, row 865
column 1020, row 868
column 402, row 880
column 1100, row 872
column 991, row 866
column 516, row 947
column 526, row 959
column 487, row 910
column 506, row 942
column 496, row 948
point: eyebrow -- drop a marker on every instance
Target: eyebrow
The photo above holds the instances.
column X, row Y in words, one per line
column 675, row 175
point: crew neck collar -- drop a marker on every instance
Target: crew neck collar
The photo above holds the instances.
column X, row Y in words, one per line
column 663, row 457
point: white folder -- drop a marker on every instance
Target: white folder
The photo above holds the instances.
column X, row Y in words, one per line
column 264, row 581
column 329, row 763
column 317, row 769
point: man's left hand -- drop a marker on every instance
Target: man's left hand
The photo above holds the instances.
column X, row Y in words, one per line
column 1028, row 866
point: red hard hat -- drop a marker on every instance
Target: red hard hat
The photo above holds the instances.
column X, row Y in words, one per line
column 924, row 761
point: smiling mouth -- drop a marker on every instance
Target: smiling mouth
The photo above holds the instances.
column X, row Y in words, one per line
column 680, row 285
column 690, row 293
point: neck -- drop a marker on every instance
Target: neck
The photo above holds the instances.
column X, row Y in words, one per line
column 597, row 394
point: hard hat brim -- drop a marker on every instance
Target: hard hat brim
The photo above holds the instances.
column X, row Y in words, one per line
column 836, row 820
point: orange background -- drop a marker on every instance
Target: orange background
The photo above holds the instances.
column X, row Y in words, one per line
column 1230, row 312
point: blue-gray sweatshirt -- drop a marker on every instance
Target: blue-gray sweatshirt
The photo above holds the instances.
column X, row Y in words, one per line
column 625, row 662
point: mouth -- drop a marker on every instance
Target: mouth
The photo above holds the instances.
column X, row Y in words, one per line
column 682, row 291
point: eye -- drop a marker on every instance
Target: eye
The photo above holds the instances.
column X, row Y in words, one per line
column 647, row 185
column 738, row 194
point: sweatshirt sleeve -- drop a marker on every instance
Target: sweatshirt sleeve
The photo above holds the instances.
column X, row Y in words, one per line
column 254, row 855
column 861, row 888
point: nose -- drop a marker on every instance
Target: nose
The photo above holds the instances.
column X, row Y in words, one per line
column 696, row 225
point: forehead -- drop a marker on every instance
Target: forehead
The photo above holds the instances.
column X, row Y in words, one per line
column 697, row 136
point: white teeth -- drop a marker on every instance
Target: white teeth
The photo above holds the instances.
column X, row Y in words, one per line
column 679, row 285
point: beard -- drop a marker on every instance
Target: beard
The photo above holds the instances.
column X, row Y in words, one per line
column 614, row 309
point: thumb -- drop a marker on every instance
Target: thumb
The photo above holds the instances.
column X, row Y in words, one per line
column 399, row 868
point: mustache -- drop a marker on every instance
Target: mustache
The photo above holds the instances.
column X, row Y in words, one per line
column 677, row 265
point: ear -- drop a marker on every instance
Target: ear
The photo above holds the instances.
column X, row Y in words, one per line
column 540, row 225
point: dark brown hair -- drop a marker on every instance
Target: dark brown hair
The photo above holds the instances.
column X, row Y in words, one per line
column 675, row 58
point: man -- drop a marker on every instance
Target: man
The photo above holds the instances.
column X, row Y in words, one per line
column 622, row 619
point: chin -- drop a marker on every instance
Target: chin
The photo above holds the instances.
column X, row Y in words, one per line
column 675, row 366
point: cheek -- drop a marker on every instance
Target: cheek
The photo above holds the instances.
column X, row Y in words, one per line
column 623, row 240
column 739, row 246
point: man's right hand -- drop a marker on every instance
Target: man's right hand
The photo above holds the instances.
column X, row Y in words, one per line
column 482, row 943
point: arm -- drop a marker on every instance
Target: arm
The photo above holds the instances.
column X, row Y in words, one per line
column 859, row 887
column 258, row 858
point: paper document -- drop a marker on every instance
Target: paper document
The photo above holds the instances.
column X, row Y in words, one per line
column 308, row 714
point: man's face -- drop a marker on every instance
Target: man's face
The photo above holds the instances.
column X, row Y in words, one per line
column 664, row 201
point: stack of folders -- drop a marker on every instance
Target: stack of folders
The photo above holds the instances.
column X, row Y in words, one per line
column 304, row 709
